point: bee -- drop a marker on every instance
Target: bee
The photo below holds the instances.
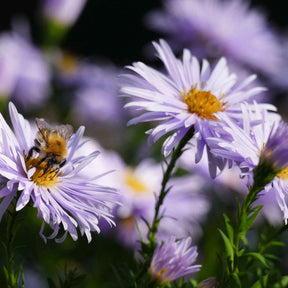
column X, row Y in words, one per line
column 51, row 144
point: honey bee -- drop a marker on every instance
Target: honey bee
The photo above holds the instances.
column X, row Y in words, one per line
column 51, row 144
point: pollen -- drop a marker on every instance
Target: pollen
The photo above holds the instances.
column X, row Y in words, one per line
column 43, row 176
column 283, row 174
column 203, row 103
column 134, row 182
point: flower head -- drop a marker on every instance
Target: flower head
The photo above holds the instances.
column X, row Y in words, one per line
column 63, row 11
column 187, row 96
column 210, row 28
column 173, row 260
column 63, row 196
column 27, row 87
column 260, row 151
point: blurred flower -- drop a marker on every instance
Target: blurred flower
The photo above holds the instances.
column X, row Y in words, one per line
column 92, row 88
column 173, row 259
column 63, row 197
column 34, row 279
column 96, row 95
column 184, row 208
column 26, row 87
column 256, row 146
column 63, row 12
column 208, row 283
column 187, row 96
column 210, row 28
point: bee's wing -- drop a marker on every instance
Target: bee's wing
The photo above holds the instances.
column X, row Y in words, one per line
column 65, row 130
column 43, row 127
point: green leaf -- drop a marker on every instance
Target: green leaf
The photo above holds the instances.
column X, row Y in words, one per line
column 236, row 279
column 259, row 257
column 260, row 282
column 247, row 222
column 228, row 245
column 283, row 283
column 229, row 228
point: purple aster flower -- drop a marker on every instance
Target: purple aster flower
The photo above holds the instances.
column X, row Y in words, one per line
column 96, row 94
column 253, row 145
column 229, row 180
column 183, row 210
column 173, row 259
column 26, row 87
column 246, row 145
column 92, row 89
column 188, row 96
column 64, row 12
column 63, row 196
column 211, row 28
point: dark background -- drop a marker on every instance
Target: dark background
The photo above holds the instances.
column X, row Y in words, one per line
column 114, row 28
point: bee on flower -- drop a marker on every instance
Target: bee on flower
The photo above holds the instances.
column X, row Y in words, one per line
column 44, row 169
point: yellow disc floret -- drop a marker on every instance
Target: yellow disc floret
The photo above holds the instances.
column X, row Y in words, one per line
column 161, row 272
column 43, row 175
column 134, row 182
column 203, row 103
column 283, row 174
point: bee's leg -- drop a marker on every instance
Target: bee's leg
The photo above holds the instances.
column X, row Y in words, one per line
column 30, row 152
column 62, row 163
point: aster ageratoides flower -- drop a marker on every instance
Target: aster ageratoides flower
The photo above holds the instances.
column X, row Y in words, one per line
column 173, row 259
column 188, row 96
column 260, row 151
column 64, row 197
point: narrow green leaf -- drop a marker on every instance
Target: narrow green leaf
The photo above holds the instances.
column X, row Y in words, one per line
column 255, row 211
column 259, row 257
column 229, row 228
column 246, row 222
column 228, row 245
column 237, row 279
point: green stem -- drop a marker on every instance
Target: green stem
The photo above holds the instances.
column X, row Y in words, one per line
column 12, row 277
column 264, row 173
column 164, row 191
column 147, row 249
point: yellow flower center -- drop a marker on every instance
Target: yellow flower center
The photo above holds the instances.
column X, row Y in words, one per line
column 161, row 272
column 203, row 103
column 134, row 182
column 283, row 174
column 68, row 63
column 43, row 175
column 128, row 222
